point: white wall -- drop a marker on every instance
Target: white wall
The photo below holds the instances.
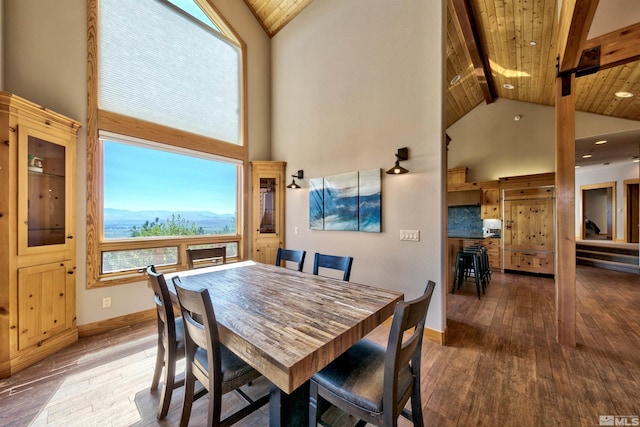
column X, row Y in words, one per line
column 618, row 173
column 492, row 144
column 45, row 61
column 2, row 45
column 353, row 81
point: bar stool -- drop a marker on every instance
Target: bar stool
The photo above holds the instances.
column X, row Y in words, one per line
column 484, row 271
column 465, row 262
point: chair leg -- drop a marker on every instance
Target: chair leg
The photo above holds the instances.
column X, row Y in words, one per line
column 168, row 385
column 189, row 386
column 456, row 272
column 159, row 365
column 416, row 406
column 475, row 274
column 215, row 404
column 313, row 404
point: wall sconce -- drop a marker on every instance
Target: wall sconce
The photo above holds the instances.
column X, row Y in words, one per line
column 402, row 154
column 299, row 175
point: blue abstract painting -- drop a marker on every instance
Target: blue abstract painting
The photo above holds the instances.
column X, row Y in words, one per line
column 346, row 202
column 341, row 202
column 316, row 203
column 369, row 201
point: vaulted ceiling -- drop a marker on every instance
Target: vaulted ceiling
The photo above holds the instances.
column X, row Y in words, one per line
column 507, row 49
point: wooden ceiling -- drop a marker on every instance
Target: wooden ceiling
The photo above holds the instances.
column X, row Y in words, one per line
column 493, row 43
column 275, row 14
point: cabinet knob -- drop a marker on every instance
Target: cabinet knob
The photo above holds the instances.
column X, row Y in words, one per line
column 69, row 272
column 69, row 237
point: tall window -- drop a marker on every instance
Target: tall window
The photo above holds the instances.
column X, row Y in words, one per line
column 165, row 144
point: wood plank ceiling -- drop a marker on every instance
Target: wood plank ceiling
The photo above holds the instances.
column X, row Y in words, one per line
column 516, row 41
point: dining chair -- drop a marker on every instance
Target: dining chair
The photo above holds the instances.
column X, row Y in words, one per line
column 170, row 341
column 373, row 383
column 290, row 255
column 342, row 263
column 214, row 255
column 217, row 368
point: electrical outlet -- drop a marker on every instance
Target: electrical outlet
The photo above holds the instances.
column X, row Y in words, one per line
column 106, row 302
column 410, row 235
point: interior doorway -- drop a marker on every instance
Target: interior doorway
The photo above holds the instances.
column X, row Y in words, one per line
column 598, row 211
column 631, row 208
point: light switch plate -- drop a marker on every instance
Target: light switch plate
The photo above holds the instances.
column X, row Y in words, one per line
column 410, row 235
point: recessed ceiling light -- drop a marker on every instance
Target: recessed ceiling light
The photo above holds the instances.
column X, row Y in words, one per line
column 577, row 167
column 508, row 86
column 635, row 160
column 533, row 43
column 624, row 94
column 601, row 142
column 455, row 79
column 587, row 156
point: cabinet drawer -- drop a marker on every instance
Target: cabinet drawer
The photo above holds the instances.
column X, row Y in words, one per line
column 532, row 262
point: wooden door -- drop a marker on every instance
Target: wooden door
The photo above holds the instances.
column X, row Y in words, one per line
column 44, row 298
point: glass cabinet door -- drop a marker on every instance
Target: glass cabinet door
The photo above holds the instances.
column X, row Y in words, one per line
column 268, row 205
column 43, row 191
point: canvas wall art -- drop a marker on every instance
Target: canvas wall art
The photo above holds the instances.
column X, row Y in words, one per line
column 369, row 201
column 346, row 202
column 316, row 203
column 341, row 202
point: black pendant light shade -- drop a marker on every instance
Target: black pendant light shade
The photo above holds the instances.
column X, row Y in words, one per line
column 402, row 154
column 298, row 175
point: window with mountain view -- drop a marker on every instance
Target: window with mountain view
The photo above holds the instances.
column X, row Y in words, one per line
column 166, row 150
column 151, row 191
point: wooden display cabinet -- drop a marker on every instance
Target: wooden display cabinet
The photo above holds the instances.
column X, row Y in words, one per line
column 267, row 189
column 37, row 230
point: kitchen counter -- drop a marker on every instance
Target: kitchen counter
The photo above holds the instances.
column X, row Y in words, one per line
column 471, row 235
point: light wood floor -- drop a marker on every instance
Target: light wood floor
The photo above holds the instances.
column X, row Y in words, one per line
column 501, row 367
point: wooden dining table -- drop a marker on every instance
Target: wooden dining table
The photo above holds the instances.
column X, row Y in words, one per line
column 287, row 324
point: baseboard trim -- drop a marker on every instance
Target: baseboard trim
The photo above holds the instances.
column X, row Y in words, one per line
column 115, row 323
column 434, row 336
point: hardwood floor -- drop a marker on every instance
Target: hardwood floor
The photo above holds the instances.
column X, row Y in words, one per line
column 501, row 366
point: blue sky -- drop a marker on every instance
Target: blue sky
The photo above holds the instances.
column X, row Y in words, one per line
column 194, row 10
column 137, row 178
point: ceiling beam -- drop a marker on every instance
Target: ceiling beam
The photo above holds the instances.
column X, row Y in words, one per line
column 481, row 68
column 575, row 20
column 617, row 47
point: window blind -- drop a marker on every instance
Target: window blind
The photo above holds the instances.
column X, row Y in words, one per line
column 159, row 64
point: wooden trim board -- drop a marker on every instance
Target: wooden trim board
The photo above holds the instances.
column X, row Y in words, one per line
column 115, row 323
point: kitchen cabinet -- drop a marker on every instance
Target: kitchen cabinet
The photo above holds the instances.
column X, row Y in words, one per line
column 37, row 230
column 494, row 250
column 267, row 196
column 529, row 231
column 490, row 207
